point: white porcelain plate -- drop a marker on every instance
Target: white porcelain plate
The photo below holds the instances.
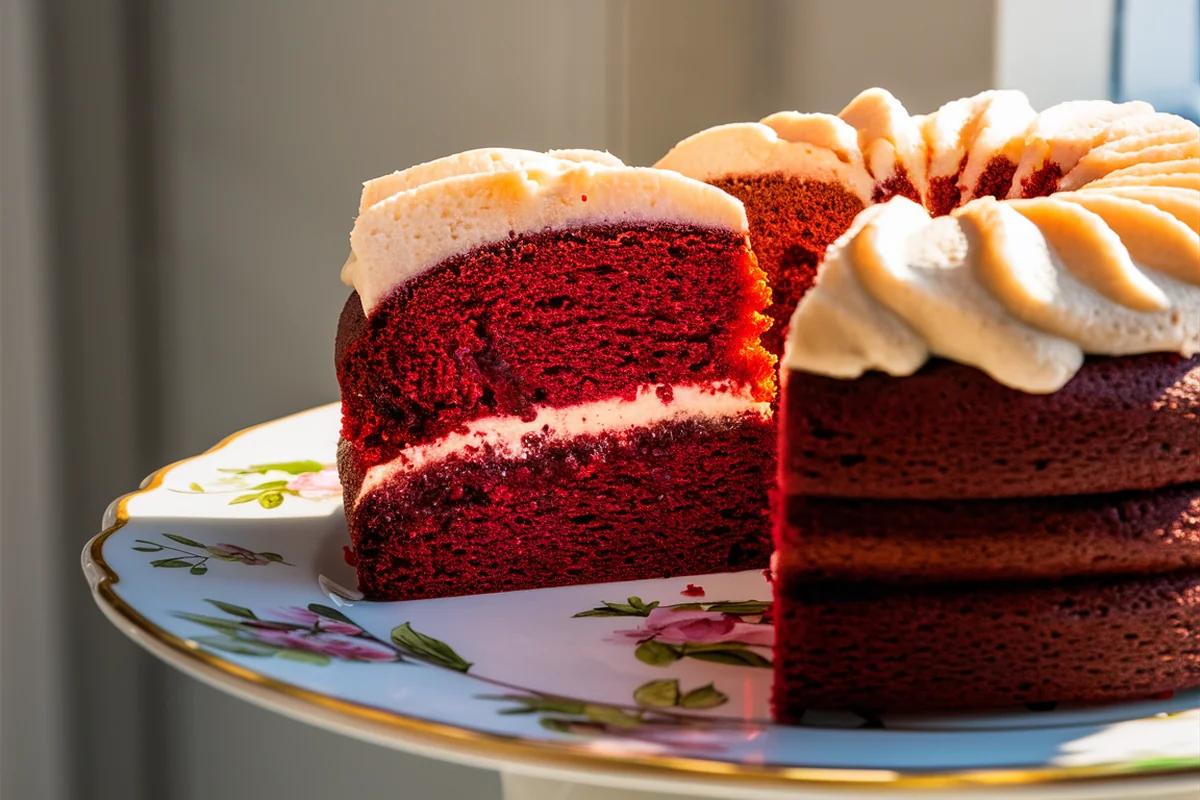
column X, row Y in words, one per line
column 230, row 566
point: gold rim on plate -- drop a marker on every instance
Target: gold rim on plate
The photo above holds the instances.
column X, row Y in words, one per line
column 497, row 749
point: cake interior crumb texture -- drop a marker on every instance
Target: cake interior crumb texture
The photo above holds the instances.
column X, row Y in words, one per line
column 557, row 320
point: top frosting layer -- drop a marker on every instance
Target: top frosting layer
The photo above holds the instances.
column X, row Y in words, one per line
column 1021, row 290
column 413, row 220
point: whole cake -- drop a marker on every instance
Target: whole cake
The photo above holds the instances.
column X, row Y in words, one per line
column 990, row 420
column 551, row 373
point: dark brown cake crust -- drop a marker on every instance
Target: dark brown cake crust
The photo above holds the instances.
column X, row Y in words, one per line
column 977, row 646
column 897, row 541
column 950, row 431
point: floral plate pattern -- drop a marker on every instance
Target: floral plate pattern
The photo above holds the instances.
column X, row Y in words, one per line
column 230, row 566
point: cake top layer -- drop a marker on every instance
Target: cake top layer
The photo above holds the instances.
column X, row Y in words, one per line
column 1018, row 289
column 454, row 205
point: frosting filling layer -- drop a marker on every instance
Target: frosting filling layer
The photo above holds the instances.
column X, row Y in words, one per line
column 505, row 437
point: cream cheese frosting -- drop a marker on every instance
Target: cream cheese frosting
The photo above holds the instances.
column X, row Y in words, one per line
column 485, row 159
column 506, row 437
column 1020, row 290
column 407, row 232
column 816, row 147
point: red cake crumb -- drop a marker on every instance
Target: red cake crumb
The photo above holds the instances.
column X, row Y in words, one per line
column 996, row 178
column 1043, row 182
column 349, row 556
column 898, row 183
column 693, row 590
column 791, row 223
column 944, row 194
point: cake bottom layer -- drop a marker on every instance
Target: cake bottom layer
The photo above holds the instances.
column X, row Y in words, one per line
column 855, row 646
column 680, row 498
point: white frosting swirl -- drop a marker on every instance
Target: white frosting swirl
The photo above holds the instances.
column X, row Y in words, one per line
column 1020, row 290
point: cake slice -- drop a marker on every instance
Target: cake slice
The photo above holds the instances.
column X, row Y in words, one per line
column 551, row 374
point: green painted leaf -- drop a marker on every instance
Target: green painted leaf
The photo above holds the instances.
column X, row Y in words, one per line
column 518, row 710
column 242, row 647
column 216, row 623
column 703, row 697
column 746, row 607
column 427, row 648
column 556, row 725
column 171, row 563
column 230, row 608
column 687, row 607
column 270, row 500
column 1166, row 763
column 726, row 653
column 600, row 612
column 273, row 557
column 556, row 705
column 148, row 549
column 174, row 537
column 199, row 569
column 290, row 467
column 610, row 715
column 271, row 485
column 657, row 694
column 528, row 703
column 627, row 610
column 195, row 487
column 243, row 498
column 326, row 611
column 304, row 656
column 656, row 654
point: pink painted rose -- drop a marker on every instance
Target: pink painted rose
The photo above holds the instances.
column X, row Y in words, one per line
column 234, row 553
column 302, row 616
column 334, row 645
column 321, row 485
column 669, row 626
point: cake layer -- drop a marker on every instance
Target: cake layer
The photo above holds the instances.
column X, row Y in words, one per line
column 910, row 541
column 680, row 498
column 551, row 319
column 982, row 645
column 792, row 221
column 950, row 431
column 400, row 237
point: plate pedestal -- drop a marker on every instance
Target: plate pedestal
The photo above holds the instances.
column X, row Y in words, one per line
column 525, row 787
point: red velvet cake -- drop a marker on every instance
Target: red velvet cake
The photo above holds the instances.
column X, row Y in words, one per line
column 990, row 417
column 551, row 374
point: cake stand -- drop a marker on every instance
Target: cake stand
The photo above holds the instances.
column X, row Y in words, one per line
column 229, row 566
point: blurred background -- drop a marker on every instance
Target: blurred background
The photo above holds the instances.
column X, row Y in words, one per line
column 179, row 179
